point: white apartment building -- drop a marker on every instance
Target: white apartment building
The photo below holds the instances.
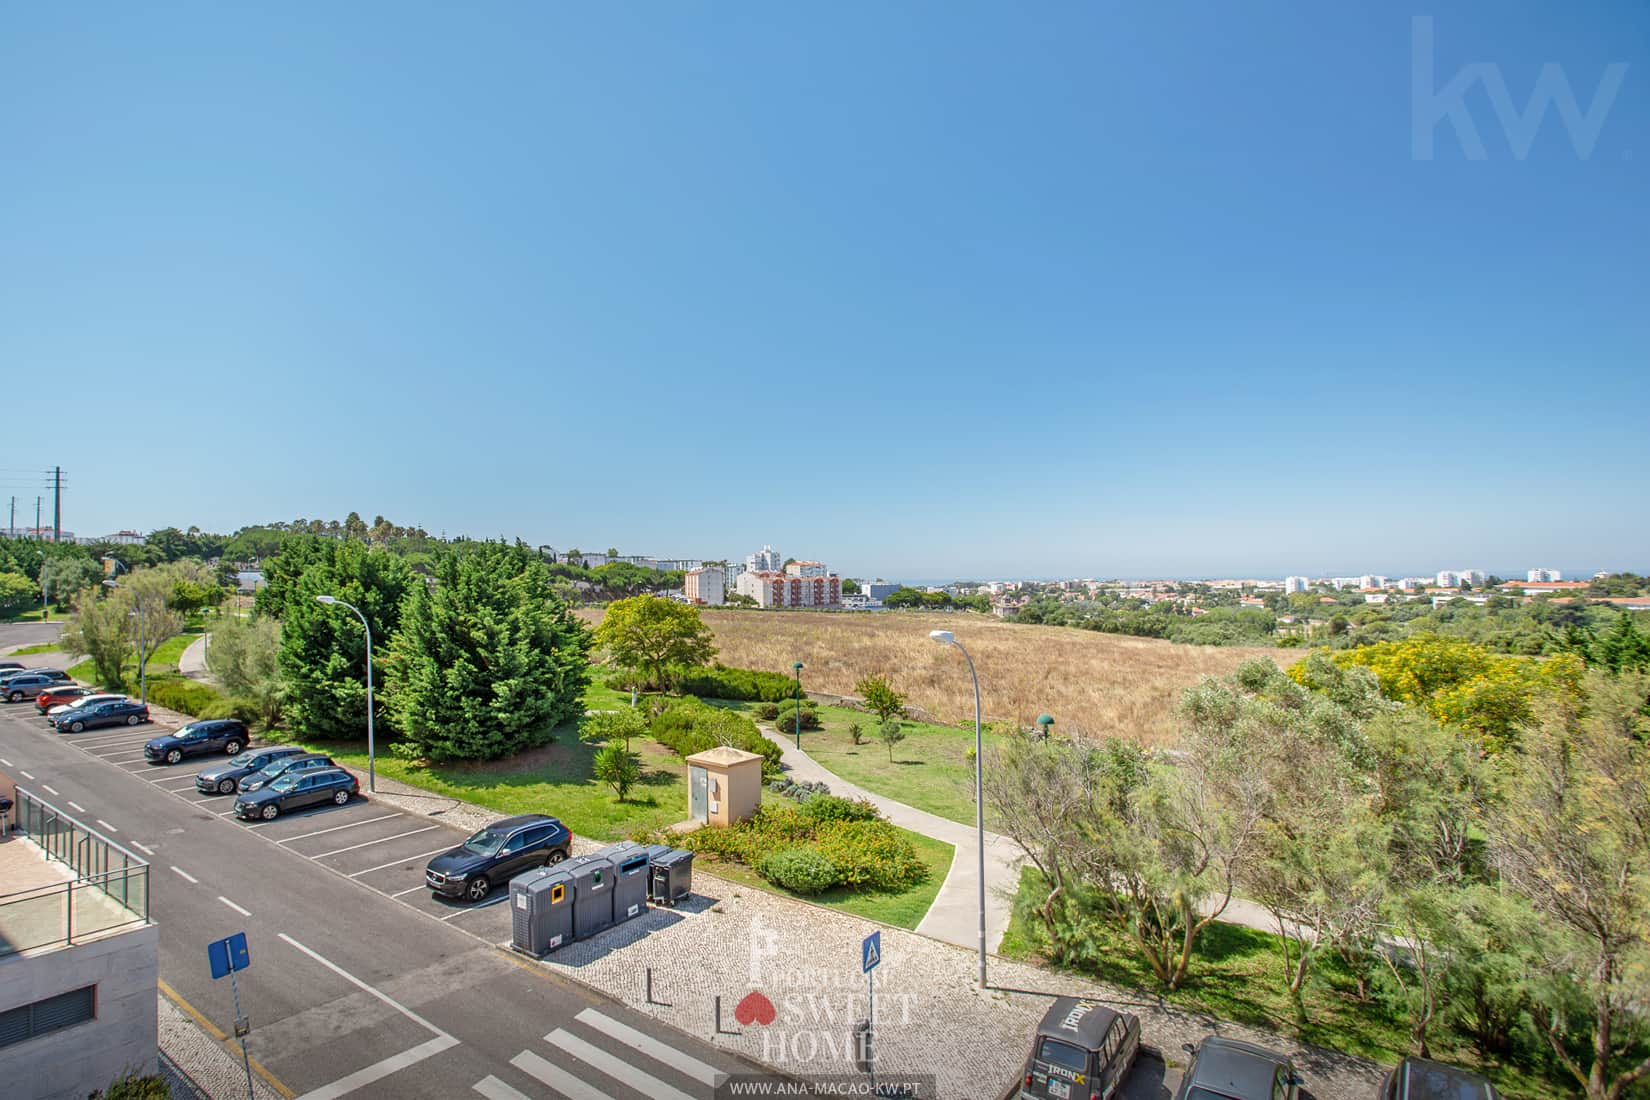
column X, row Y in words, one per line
column 1370, row 580
column 1415, row 582
column 1343, row 583
column 774, row 589
column 1291, row 585
column 765, row 560
column 1543, row 576
column 705, row 585
column 1448, row 578
column 1474, row 577
column 807, row 569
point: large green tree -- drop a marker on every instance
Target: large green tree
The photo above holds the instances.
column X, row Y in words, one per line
column 244, row 654
column 487, row 661
column 323, row 655
column 654, row 635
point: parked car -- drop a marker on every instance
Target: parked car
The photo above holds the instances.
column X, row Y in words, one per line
column 83, row 701
column 10, row 666
column 301, row 762
column 55, row 675
column 114, row 713
column 212, row 735
column 497, row 854
column 1226, row 1069
column 1082, row 1050
column 59, row 695
column 26, row 686
column 226, row 778
column 1419, row 1079
column 295, row 791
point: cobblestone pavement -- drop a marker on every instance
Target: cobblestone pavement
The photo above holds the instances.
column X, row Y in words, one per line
column 202, row 1061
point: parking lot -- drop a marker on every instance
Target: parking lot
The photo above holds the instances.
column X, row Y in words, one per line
column 374, row 844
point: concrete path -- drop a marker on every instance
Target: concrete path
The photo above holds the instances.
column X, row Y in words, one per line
column 192, row 661
column 954, row 916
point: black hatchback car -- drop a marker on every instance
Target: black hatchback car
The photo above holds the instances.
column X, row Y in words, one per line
column 226, row 778
column 286, row 765
column 295, row 792
column 1226, row 1069
column 211, row 735
column 1082, row 1050
column 1419, row 1079
column 114, row 712
column 497, row 854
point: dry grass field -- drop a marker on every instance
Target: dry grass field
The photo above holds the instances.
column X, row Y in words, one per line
column 1092, row 683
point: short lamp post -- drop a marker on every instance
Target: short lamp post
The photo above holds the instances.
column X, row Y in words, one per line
column 796, row 666
column 1044, row 721
column 945, row 637
column 372, row 778
column 143, row 644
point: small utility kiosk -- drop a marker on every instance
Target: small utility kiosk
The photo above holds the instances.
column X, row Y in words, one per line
column 724, row 785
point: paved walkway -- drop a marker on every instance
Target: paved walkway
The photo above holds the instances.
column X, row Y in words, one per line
column 192, row 661
column 954, row 916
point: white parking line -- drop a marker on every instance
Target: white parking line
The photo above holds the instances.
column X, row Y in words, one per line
column 335, row 828
column 408, row 890
column 556, row 1077
column 500, row 900
column 370, row 843
column 616, row 1068
column 128, row 760
column 107, row 826
column 145, row 849
column 5, row 762
column 232, row 905
column 395, row 1063
column 76, row 807
column 395, row 862
column 494, row 1089
column 24, row 774
column 653, row 1048
column 50, row 790
column 186, row 876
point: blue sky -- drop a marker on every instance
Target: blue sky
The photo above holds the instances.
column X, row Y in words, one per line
column 919, row 290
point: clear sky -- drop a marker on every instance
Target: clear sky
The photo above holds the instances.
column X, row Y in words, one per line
column 915, row 289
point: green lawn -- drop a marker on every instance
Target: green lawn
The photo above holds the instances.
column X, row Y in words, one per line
column 1237, row 974
column 31, row 616
column 46, row 647
column 931, row 768
column 901, row 908
column 163, row 662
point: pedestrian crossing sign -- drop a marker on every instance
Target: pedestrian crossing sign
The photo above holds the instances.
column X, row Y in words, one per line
column 870, row 952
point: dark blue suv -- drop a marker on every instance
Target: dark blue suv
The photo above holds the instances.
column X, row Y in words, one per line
column 497, row 854
column 215, row 735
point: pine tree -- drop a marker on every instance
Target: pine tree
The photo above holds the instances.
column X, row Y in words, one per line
column 487, row 661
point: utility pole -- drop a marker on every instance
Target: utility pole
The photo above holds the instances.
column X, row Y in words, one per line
column 57, row 504
column 37, row 517
column 11, row 527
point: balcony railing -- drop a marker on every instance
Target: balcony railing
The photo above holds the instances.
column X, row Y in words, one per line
column 87, row 887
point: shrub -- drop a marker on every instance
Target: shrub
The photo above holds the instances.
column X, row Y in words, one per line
column 767, row 711
column 822, row 808
column 129, row 1086
column 869, row 853
column 200, row 700
column 857, row 732
column 688, row 726
column 746, row 684
column 890, row 733
column 785, row 719
column 615, row 766
column 802, row 870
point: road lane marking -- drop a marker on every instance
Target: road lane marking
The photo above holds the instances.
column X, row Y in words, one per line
column 335, row 828
column 555, row 1077
column 186, row 876
column 217, row 1033
column 397, row 862
column 494, row 1089
column 107, row 826
column 76, row 807
column 232, row 905
column 49, row 790
column 5, row 762
column 500, row 900
column 364, row 987
column 144, row 848
column 616, row 1068
column 395, row 1063
column 370, row 843
column 653, row 1048
column 24, row 774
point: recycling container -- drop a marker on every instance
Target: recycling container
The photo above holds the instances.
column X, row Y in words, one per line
column 671, row 877
column 541, row 910
column 592, row 893
column 630, row 884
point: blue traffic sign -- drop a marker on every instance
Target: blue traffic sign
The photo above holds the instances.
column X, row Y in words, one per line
column 870, row 952
column 228, row 954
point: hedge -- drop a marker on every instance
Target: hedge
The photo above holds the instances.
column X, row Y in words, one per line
column 719, row 682
column 790, row 846
column 199, row 700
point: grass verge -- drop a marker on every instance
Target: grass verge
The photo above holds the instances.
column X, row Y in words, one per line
column 45, row 647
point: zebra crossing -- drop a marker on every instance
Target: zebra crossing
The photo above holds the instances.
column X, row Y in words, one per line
column 600, row 1058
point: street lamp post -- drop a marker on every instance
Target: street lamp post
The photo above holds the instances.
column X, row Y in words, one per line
column 143, row 643
column 945, row 637
column 796, row 667
column 372, row 777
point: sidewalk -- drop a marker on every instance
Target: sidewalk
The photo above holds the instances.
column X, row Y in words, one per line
column 192, row 661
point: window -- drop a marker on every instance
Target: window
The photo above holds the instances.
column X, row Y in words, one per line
column 42, row 1017
column 518, row 842
column 1064, row 1054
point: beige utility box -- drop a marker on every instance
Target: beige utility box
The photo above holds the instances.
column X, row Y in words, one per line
column 724, row 785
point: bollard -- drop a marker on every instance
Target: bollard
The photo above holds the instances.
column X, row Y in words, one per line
column 650, row 1000
column 719, row 1029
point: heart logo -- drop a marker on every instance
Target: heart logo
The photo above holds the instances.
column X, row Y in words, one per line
column 755, row 1009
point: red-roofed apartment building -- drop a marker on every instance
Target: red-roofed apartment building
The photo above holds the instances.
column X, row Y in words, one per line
column 786, row 590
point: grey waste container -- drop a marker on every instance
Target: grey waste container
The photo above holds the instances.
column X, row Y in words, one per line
column 619, row 849
column 592, row 894
column 672, row 877
column 541, row 910
column 630, row 886
column 655, row 852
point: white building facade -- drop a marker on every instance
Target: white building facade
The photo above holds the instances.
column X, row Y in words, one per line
column 705, row 585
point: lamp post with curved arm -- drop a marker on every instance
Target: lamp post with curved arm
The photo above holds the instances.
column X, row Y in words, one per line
column 372, row 780
column 945, row 637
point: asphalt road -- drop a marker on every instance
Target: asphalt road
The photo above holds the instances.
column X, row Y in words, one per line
column 351, row 990
column 26, row 634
